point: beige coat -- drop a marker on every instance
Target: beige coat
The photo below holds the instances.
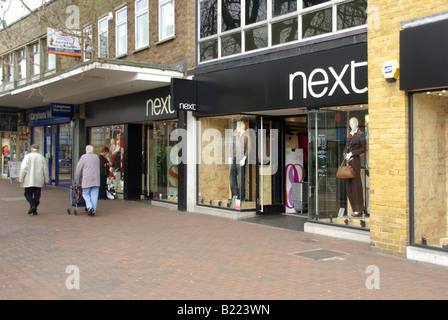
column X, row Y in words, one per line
column 33, row 171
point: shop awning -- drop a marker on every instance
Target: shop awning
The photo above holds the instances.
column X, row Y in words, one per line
column 94, row 80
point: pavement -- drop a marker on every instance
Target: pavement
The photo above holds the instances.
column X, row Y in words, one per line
column 138, row 251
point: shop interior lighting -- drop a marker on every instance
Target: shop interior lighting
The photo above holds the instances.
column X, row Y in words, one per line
column 439, row 93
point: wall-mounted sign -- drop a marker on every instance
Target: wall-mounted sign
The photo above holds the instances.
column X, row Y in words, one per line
column 324, row 78
column 43, row 116
column 184, row 94
column 61, row 110
column 160, row 109
column 63, row 43
column 391, row 70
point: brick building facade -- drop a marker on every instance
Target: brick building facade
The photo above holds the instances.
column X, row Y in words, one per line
column 390, row 136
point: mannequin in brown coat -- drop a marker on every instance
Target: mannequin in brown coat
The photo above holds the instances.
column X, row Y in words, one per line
column 355, row 146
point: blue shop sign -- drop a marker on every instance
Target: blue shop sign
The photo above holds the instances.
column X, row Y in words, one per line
column 45, row 116
column 60, row 110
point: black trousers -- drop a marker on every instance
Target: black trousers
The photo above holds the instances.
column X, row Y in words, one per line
column 32, row 195
column 102, row 193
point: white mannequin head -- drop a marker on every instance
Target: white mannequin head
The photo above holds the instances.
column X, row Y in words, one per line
column 240, row 126
column 354, row 124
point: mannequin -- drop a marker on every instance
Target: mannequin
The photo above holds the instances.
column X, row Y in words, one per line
column 355, row 146
column 238, row 161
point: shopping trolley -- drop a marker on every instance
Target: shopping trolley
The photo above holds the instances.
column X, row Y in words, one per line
column 76, row 199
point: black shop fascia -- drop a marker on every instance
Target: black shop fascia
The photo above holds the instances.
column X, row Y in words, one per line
column 312, row 80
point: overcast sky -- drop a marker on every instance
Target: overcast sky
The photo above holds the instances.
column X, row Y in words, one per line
column 12, row 10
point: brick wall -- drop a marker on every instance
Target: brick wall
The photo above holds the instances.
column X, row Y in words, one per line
column 180, row 50
column 389, row 128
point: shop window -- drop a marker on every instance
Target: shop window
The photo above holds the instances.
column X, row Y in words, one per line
column 430, row 167
column 226, row 169
column 162, row 164
column 141, row 24
column 113, row 138
column 166, row 19
column 121, row 32
column 334, row 135
column 65, row 154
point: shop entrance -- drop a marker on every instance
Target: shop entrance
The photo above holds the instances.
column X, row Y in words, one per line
column 57, row 142
column 269, row 173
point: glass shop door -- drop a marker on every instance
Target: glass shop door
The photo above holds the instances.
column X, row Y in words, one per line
column 269, row 164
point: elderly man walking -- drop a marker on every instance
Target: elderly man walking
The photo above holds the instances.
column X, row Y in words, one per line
column 33, row 174
column 88, row 168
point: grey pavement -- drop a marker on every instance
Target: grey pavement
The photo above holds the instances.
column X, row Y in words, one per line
column 137, row 251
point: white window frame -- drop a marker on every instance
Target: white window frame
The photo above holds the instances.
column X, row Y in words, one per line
column 87, row 42
column 119, row 25
column 9, row 68
column 138, row 14
column 49, row 58
column 1, row 74
column 34, row 51
column 162, row 28
column 269, row 22
column 21, row 64
column 101, row 32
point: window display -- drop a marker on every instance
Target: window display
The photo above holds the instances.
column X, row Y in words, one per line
column 430, row 149
column 226, row 169
column 162, row 171
column 113, row 138
column 336, row 134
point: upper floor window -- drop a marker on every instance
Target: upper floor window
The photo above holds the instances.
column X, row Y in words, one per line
column 34, row 59
column 141, row 24
column 103, row 37
column 21, row 64
column 49, row 58
column 9, row 68
column 121, row 31
column 231, row 27
column 1, row 74
column 87, row 43
column 166, row 19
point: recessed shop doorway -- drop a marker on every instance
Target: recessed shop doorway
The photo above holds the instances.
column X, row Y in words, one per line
column 282, row 165
column 56, row 143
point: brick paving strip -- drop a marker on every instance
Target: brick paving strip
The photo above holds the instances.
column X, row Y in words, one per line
column 132, row 250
